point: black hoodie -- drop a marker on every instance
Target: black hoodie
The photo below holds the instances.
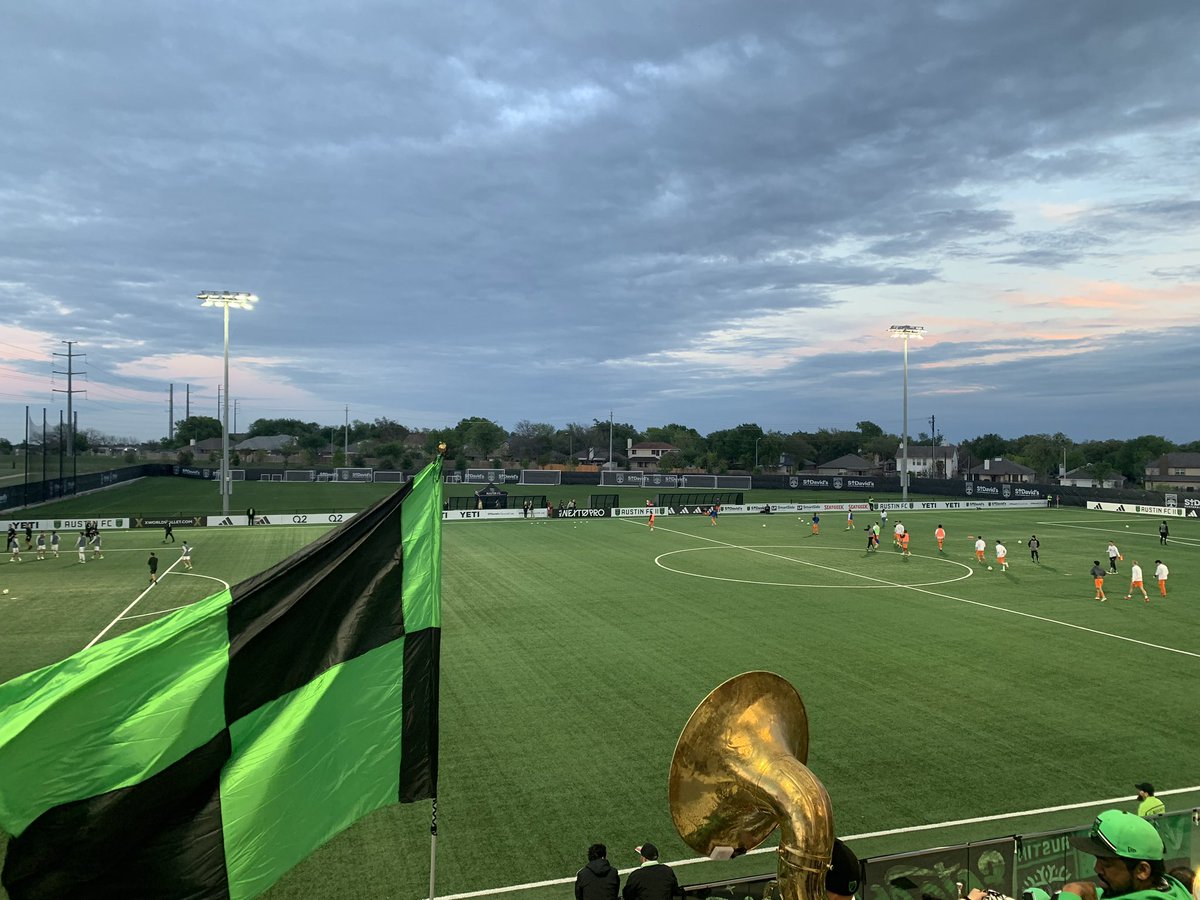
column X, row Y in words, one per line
column 597, row 881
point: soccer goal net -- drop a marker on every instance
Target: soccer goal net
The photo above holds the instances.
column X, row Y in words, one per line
column 298, row 475
column 541, row 476
column 237, row 474
column 390, row 476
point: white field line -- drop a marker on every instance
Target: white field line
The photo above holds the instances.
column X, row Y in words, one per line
column 846, row 837
column 163, row 612
column 136, row 601
column 1172, row 541
column 1001, row 609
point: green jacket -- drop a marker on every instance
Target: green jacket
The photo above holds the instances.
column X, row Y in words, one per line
column 1173, row 891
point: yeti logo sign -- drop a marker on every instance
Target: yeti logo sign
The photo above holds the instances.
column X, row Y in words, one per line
column 837, row 484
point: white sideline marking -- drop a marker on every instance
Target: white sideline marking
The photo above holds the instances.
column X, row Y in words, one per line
column 846, row 837
column 136, row 601
column 1174, row 540
column 1014, row 612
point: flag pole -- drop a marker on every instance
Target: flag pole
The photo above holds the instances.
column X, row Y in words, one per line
column 433, row 852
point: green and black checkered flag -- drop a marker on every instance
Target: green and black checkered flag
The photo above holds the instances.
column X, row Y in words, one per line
column 206, row 754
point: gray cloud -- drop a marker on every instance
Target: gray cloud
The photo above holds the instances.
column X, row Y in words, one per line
column 509, row 200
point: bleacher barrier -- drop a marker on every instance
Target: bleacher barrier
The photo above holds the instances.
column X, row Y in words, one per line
column 541, row 476
column 700, row 498
column 1009, row 865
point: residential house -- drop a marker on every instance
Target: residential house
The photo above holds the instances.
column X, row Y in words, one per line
column 932, row 462
column 1002, row 470
column 1081, row 477
column 1174, row 472
column 850, row 464
column 644, row 457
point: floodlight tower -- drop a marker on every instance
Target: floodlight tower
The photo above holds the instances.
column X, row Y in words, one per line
column 905, row 332
column 238, row 300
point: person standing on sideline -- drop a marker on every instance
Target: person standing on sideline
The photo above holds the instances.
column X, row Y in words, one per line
column 651, row 880
column 1163, row 532
column 1034, row 546
column 849, row 519
column 712, row 514
column 55, row 540
column 1001, row 556
column 1098, row 574
column 185, row 555
column 816, row 524
column 152, row 562
column 28, row 537
column 41, row 545
column 168, row 533
column 81, row 546
column 940, row 534
column 1113, row 555
column 1160, row 573
column 980, row 548
column 597, row 880
column 250, row 516
column 1135, row 582
column 1148, row 805
column 96, row 554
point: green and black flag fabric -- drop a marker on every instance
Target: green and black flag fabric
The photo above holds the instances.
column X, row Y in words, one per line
column 206, row 754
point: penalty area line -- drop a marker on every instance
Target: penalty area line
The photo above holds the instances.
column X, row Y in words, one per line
column 136, row 600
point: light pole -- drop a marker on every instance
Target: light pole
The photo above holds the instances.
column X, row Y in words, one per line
column 756, row 440
column 905, row 332
column 226, row 299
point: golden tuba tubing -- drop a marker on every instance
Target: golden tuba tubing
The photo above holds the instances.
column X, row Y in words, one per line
column 739, row 771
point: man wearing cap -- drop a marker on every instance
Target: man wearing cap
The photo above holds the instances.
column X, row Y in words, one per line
column 844, row 877
column 1150, row 805
column 1129, row 861
column 651, row 880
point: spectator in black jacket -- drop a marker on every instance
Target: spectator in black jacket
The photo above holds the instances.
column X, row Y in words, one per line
column 651, row 880
column 597, row 880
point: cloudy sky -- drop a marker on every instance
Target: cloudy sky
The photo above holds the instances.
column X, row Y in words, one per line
column 696, row 212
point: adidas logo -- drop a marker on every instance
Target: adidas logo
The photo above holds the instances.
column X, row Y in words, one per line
column 226, row 521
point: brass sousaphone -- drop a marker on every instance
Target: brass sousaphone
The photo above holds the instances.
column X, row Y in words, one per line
column 739, row 771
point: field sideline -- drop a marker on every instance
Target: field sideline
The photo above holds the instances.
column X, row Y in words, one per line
column 574, row 652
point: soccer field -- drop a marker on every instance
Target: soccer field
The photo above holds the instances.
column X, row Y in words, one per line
column 574, row 652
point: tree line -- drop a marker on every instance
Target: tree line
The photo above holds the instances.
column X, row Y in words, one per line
column 748, row 447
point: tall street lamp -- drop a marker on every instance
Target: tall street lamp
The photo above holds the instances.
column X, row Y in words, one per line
column 905, row 332
column 756, row 440
column 238, row 300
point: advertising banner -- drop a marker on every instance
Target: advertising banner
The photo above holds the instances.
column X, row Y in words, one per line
column 1137, row 509
column 63, row 524
column 283, row 519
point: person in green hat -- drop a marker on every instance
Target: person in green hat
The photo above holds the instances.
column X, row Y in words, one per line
column 1129, row 861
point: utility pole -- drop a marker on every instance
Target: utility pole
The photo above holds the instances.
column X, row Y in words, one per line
column 187, row 402
column 346, row 439
column 171, row 414
column 235, row 412
column 73, row 419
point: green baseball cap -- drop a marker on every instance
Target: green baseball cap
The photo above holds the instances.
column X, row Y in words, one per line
column 1119, row 833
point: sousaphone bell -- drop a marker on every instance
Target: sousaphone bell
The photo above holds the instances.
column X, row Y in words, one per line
column 739, row 772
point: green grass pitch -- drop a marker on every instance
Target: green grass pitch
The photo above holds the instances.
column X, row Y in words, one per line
column 574, row 652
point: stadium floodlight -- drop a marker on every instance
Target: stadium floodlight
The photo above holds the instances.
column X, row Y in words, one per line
column 905, row 332
column 238, row 300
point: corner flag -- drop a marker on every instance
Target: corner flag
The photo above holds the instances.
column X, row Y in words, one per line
column 204, row 755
